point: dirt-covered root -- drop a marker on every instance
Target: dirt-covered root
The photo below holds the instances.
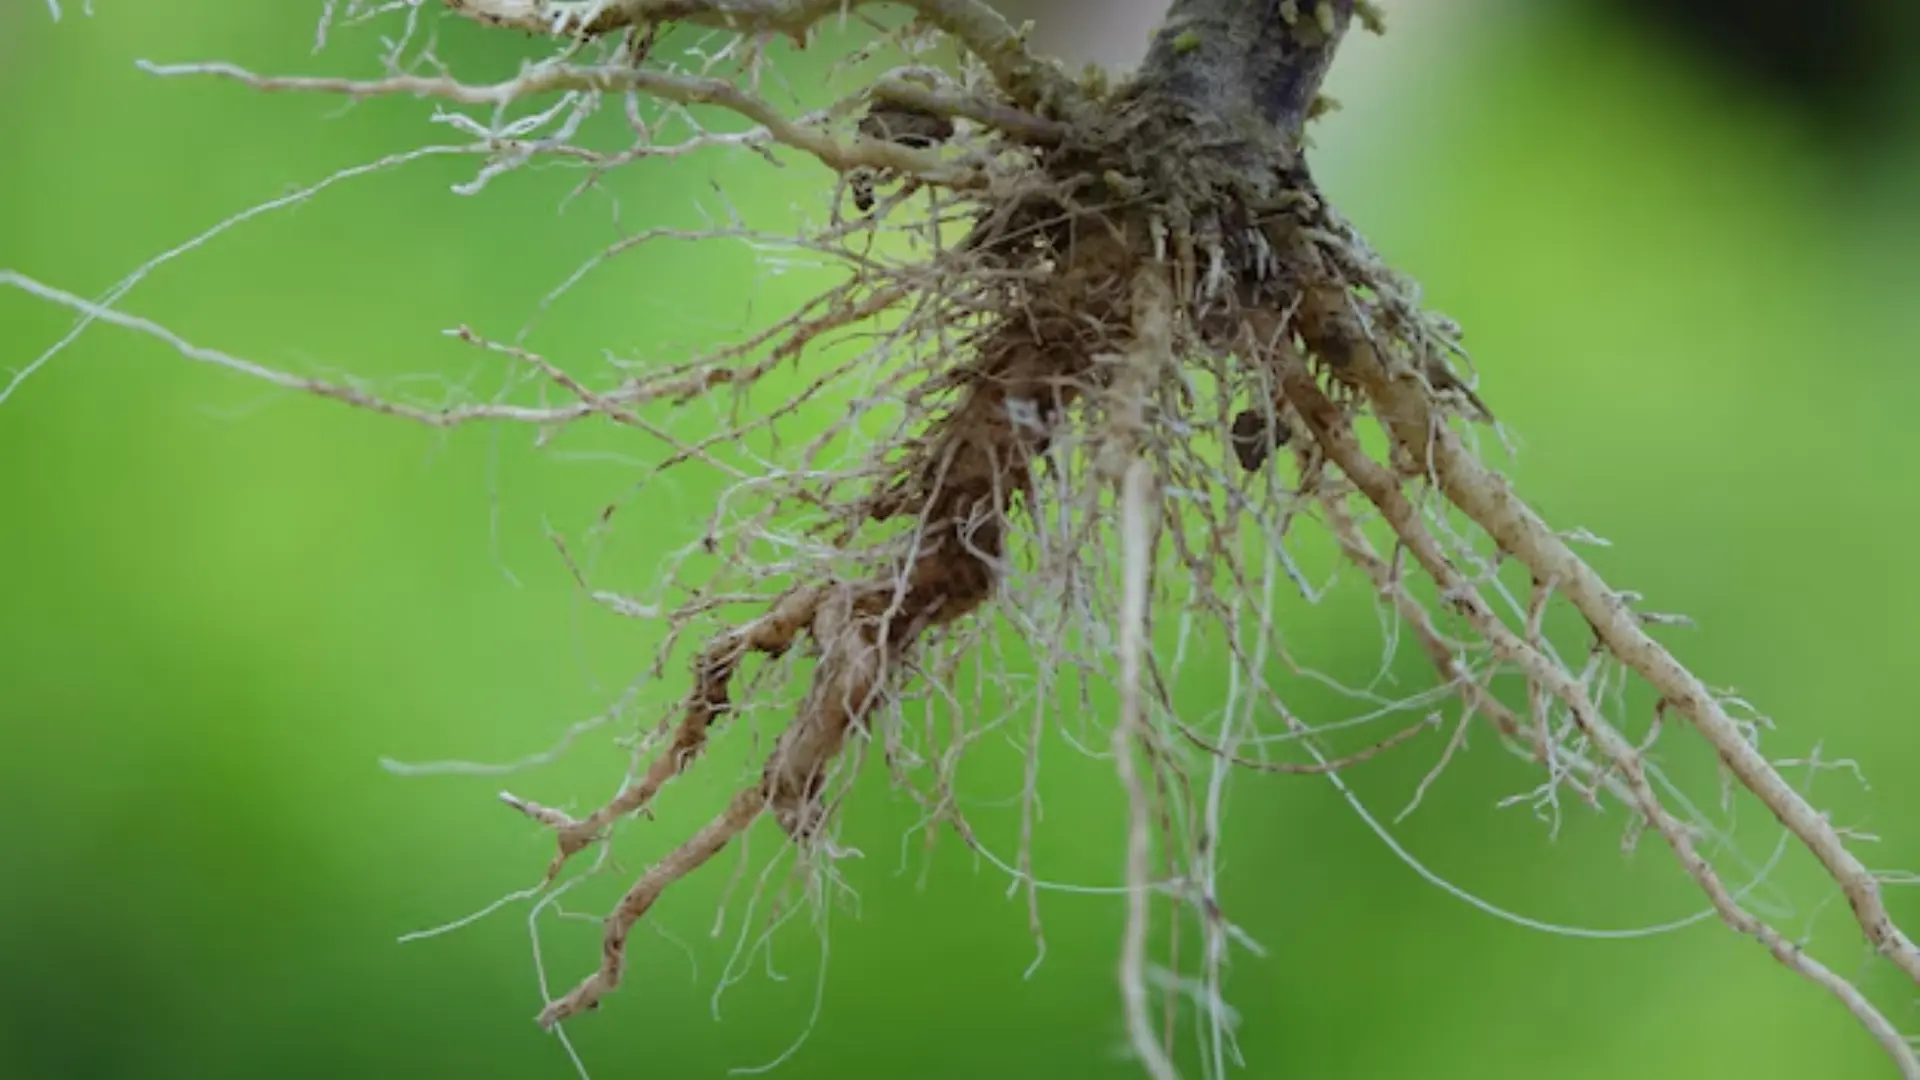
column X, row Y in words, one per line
column 954, row 495
column 709, row 700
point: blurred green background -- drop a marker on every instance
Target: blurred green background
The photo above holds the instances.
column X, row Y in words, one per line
column 221, row 606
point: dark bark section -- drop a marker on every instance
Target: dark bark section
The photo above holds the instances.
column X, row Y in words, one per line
column 1245, row 60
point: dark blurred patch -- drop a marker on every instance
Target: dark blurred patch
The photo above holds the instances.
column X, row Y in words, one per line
column 1843, row 64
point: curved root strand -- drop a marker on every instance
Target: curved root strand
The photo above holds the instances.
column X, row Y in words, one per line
column 683, row 860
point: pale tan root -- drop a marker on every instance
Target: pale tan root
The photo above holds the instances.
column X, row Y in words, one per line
column 1140, row 515
column 1335, row 435
column 1405, row 405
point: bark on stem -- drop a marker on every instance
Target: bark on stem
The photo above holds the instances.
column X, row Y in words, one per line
column 1246, row 59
